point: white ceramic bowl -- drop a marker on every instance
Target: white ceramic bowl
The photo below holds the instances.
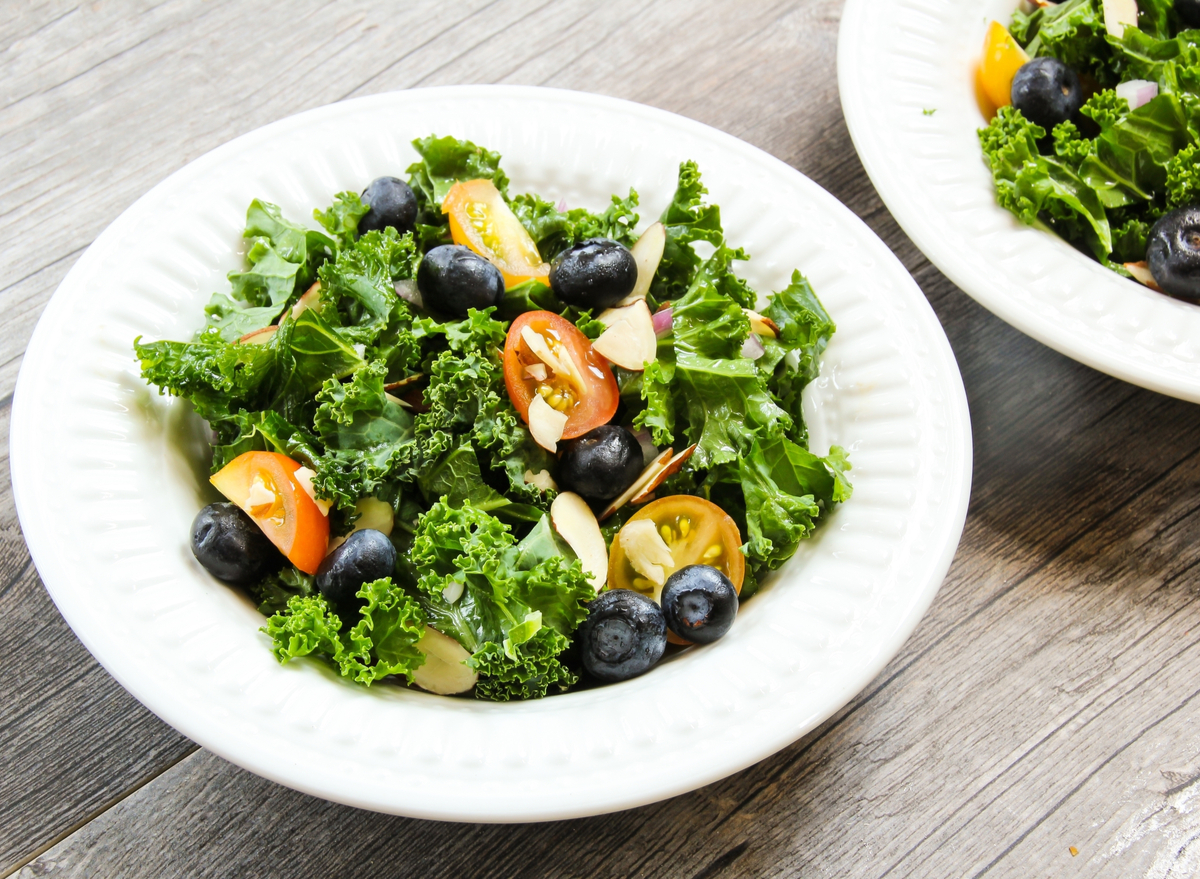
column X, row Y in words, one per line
column 899, row 58
column 107, row 478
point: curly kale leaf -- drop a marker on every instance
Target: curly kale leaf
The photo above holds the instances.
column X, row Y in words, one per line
column 1030, row 184
column 717, row 395
column 276, row 589
column 445, row 161
column 688, row 219
column 554, row 231
column 1183, row 177
column 1072, row 31
column 530, row 670
column 787, row 489
column 476, row 585
column 282, row 262
column 382, row 642
column 368, row 437
column 794, row 358
column 357, row 290
column 341, row 219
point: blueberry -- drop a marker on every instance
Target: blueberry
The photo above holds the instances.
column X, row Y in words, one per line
column 366, row 556
column 230, row 546
column 1189, row 12
column 600, row 464
column 623, row 636
column 1173, row 252
column 392, row 204
column 1046, row 92
column 597, row 273
column 699, row 603
column 453, row 278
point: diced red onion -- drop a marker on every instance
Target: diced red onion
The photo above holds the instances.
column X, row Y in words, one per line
column 753, row 347
column 561, row 207
column 662, row 321
column 407, row 290
column 1137, row 92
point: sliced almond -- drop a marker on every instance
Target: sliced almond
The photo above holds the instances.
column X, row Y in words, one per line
column 542, row 479
column 406, row 382
column 397, row 400
column 537, row 372
column 1118, row 15
column 1141, row 274
column 304, row 478
column 647, row 253
column 574, row 521
column 309, row 300
column 646, row 551
column 629, row 341
column 374, row 514
column 444, row 671
column 652, row 470
column 546, row 424
column 561, row 362
column 669, row 469
column 258, row 337
column 762, row 326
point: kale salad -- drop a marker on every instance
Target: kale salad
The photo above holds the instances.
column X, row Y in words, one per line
column 1096, row 132
column 475, row 441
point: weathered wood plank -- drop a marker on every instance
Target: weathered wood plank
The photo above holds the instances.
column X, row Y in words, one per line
column 1043, row 702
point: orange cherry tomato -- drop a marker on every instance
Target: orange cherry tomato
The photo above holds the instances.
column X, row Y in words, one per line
column 696, row 531
column 1002, row 58
column 264, row 485
column 481, row 219
column 589, row 397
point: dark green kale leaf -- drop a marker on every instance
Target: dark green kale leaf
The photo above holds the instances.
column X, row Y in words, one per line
column 358, row 294
column 341, row 219
column 474, row 589
column 445, row 161
column 787, row 488
column 279, row 587
column 554, row 231
column 530, row 671
column 688, row 219
column 368, row 437
column 1028, row 183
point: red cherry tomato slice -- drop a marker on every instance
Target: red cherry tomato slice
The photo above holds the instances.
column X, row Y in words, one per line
column 589, row 399
column 264, row 485
column 481, row 219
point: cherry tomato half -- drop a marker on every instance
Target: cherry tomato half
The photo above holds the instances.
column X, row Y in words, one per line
column 696, row 531
column 1002, row 58
column 481, row 219
column 264, row 485
column 590, row 398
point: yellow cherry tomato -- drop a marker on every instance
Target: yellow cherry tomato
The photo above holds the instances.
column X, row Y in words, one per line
column 1002, row 58
column 481, row 220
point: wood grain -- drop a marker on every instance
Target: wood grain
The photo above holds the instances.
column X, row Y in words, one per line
column 1045, row 701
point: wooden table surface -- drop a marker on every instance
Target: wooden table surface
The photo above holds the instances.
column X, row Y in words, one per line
column 1042, row 720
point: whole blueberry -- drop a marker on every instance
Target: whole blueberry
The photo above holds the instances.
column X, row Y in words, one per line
column 597, row 273
column 1189, row 12
column 453, row 278
column 230, row 546
column 392, row 204
column 600, row 464
column 1173, row 252
column 699, row 603
column 366, row 556
column 1046, row 92
column 623, row 636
